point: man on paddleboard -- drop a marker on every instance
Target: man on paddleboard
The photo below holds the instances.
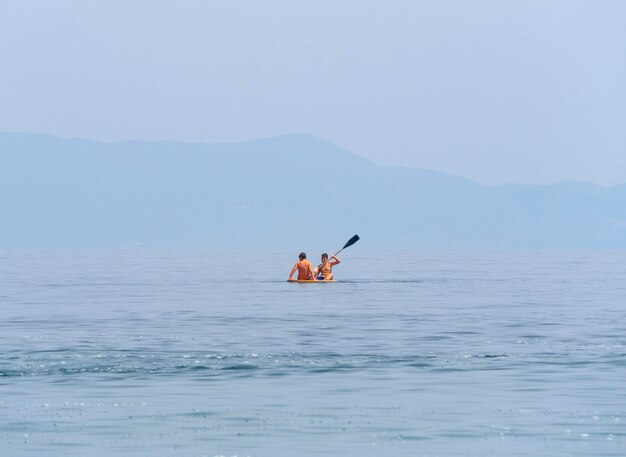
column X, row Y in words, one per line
column 304, row 267
column 324, row 272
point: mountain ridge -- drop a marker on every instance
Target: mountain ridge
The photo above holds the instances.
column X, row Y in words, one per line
column 276, row 192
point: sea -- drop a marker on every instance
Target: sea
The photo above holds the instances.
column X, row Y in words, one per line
column 138, row 352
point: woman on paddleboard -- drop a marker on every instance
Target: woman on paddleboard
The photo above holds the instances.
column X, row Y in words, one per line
column 324, row 271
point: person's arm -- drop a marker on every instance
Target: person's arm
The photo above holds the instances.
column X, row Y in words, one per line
column 336, row 262
column 293, row 270
column 311, row 271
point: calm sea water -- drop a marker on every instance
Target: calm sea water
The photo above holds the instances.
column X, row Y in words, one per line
column 177, row 353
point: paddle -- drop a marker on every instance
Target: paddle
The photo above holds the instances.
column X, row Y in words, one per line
column 350, row 242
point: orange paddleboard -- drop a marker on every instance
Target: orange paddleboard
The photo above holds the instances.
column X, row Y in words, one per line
column 309, row 281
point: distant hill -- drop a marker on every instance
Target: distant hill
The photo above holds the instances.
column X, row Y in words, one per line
column 276, row 192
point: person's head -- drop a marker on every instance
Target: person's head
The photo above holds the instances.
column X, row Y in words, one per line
column 302, row 256
column 324, row 257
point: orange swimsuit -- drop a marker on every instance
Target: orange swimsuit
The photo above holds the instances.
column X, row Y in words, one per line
column 325, row 270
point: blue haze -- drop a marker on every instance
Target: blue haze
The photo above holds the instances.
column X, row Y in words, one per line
column 142, row 283
column 526, row 91
column 285, row 192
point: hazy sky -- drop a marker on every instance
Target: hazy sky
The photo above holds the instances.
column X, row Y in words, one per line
column 497, row 91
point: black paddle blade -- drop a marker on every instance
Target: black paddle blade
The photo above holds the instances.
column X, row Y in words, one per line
column 351, row 241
